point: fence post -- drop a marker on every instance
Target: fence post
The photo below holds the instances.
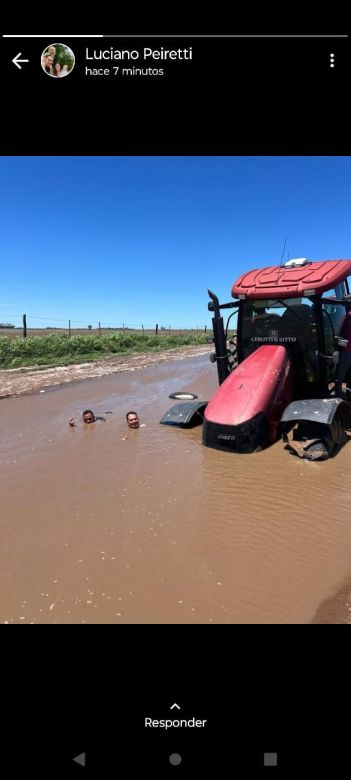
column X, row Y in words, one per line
column 69, row 328
column 143, row 329
column 123, row 327
column 205, row 328
column 99, row 329
column 169, row 330
column 156, row 331
column 24, row 326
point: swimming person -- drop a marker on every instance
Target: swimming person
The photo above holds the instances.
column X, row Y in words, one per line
column 88, row 417
column 132, row 420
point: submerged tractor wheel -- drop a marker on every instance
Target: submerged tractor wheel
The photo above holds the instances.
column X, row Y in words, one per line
column 317, row 441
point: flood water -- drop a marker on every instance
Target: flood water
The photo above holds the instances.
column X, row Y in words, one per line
column 156, row 528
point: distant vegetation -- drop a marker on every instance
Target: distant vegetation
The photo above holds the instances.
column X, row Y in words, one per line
column 6, row 325
column 59, row 349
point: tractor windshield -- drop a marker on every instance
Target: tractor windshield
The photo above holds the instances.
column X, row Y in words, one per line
column 289, row 322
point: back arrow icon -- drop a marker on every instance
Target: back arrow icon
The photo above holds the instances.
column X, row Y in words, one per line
column 80, row 759
column 16, row 61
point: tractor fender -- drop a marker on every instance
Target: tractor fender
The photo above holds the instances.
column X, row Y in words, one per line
column 319, row 426
column 186, row 415
column 318, row 410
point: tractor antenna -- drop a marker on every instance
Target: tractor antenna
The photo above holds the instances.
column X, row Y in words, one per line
column 281, row 261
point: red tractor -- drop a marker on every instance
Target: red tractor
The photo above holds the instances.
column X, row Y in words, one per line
column 290, row 373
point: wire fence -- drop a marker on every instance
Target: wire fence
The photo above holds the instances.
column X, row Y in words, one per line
column 33, row 325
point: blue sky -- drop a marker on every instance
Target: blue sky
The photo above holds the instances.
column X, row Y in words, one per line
column 138, row 240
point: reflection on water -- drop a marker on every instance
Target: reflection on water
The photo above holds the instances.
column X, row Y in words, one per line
column 102, row 523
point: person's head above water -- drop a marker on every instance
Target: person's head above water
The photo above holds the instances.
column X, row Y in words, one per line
column 88, row 416
column 132, row 419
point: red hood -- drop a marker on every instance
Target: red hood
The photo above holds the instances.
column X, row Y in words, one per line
column 255, row 386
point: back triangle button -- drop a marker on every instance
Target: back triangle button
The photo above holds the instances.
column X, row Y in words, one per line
column 80, row 759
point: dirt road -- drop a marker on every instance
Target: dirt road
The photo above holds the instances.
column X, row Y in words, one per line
column 27, row 380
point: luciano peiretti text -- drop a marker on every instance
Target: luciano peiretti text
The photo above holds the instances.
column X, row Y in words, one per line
column 135, row 54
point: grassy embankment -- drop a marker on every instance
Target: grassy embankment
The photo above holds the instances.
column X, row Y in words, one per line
column 61, row 350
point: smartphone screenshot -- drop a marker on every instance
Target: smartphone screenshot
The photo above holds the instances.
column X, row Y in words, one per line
column 175, row 413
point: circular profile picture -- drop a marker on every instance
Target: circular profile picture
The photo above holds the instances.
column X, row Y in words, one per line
column 57, row 60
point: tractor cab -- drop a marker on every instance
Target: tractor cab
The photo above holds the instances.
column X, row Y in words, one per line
column 290, row 369
column 290, row 322
column 307, row 327
column 306, row 316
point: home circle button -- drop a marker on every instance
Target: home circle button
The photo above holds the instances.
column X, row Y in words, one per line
column 175, row 759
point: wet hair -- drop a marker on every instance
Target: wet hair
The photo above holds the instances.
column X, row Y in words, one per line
column 128, row 413
column 87, row 411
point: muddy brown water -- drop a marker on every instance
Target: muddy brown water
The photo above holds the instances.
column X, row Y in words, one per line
column 156, row 528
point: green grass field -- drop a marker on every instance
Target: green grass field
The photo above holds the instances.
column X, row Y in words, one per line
column 60, row 349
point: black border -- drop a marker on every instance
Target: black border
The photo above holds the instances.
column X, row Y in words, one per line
column 297, row 671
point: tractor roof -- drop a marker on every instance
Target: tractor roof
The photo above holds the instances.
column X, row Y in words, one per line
column 294, row 279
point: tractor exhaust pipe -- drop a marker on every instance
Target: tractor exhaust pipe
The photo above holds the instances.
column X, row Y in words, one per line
column 221, row 352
